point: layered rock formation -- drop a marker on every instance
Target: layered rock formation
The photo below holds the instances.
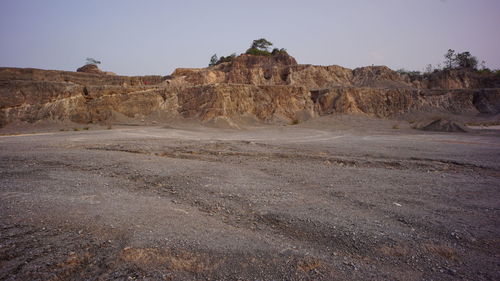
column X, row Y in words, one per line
column 268, row 89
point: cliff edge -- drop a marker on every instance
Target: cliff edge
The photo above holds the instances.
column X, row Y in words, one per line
column 272, row 89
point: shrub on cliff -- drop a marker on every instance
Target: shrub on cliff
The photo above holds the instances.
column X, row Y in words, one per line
column 257, row 52
column 277, row 51
column 259, row 47
column 261, row 44
column 466, row 60
column 226, row 59
column 215, row 61
column 460, row 60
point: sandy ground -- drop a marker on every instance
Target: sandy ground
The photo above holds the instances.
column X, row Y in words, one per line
column 335, row 198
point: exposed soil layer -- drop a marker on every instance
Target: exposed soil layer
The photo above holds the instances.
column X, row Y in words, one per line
column 247, row 90
column 335, row 198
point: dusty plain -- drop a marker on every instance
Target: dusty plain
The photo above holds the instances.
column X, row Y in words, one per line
column 334, row 198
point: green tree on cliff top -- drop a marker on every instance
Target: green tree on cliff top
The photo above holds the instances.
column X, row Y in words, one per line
column 259, row 47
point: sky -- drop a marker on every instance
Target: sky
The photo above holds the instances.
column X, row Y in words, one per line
column 142, row 37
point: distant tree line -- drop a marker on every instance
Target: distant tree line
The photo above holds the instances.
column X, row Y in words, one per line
column 460, row 60
column 259, row 47
column 453, row 60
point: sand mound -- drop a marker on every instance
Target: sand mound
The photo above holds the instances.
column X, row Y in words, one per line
column 441, row 125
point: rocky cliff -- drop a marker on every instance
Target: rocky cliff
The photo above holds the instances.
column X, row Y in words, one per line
column 269, row 89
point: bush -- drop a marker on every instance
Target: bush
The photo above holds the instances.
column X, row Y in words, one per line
column 261, row 44
column 460, row 60
column 466, row 60
column 277, row 51
column 257, row 52
column 213, row 60
column 411, row 74
column 259, row 47
column 229, row 58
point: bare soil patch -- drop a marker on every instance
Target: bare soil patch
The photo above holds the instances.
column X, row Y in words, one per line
column 339, row 198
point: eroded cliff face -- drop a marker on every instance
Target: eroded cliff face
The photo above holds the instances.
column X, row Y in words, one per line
column 386, row 102
column 268, row 89
column 375, row 90
column 266, row 103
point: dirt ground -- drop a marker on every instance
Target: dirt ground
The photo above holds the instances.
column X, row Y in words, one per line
column 335, row 198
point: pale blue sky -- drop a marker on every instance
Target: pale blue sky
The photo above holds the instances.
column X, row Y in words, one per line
column 155, row 37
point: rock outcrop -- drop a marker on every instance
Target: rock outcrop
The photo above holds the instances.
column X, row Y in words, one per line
column 261, row 88
column 266, row 103
column 385, row 102
column 90, row 68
